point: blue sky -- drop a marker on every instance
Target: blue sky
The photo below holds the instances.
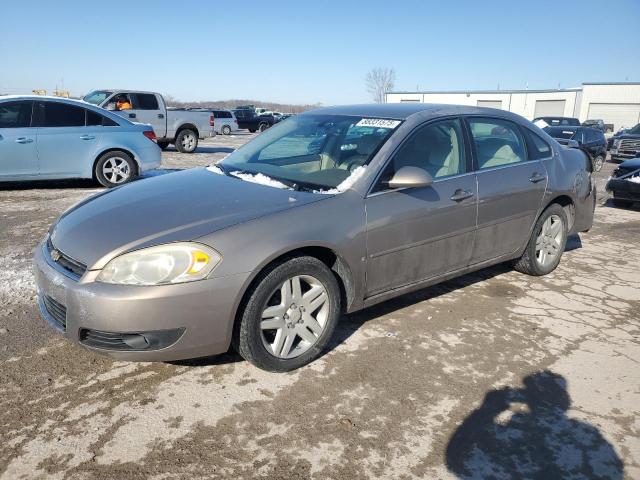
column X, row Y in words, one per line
column 314, row 51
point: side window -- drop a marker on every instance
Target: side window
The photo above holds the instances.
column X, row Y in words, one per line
column 95, row 119
column 536, row 147
column 578, row 136
column 15, row 114
column 146, row 101
column 437, row 148
column 498, row 142
column 54, row 114
column 226, row 114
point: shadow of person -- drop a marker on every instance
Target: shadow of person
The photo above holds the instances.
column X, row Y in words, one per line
column 525, row 433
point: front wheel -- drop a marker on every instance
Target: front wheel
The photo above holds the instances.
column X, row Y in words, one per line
column 115, row 168
column 163, row 145
column 598, row 162
column 186, row 141
column 263, row 126
column 252, row 130
column 290, row 315
column 546, row 245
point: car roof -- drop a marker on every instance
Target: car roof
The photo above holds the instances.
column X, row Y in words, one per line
column 402, row 111
column 45, row 97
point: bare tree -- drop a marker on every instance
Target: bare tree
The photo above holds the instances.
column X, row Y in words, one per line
column 380, row 81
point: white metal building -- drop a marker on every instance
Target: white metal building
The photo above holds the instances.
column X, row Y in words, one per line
column 618, row 104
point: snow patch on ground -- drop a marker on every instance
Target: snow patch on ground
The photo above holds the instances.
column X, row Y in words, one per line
column 346, row 184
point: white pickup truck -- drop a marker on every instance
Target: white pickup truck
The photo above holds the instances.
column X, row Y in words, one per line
column 181, row 127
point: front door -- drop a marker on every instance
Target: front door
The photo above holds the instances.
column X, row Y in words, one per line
column 18, row 155
column 511, row 186
column 420, row 233
column 146, row 109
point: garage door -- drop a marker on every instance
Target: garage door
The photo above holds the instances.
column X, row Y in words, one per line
column 549, row 108
column 620, row 115
column 490, row 103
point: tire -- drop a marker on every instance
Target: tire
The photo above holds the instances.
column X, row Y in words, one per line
column 263, row 126
column 315, row 321
column 598, row 162
column 252, row 130
column 163, row 145
column 618, row 202
column 186, row 141
column 126, row 169
column 553, row 242
column 226, row 130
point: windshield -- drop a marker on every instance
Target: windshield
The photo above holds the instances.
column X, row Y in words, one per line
column 316, row 151
column 635, row 130
column 97, row 97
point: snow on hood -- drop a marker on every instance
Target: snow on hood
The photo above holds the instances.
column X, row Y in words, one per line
column 347, row 183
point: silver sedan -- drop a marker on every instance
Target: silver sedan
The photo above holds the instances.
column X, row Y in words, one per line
column 328, row 212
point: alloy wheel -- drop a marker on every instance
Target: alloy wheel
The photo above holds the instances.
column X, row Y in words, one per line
column 188, row 141
column 294, row 317
column 116, row 170
column 549, row 241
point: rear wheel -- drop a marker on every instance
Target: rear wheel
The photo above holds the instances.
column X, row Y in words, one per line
column 186, row 141
column 115, row 168
column 547, row 243
column 252, row 130
column 290, row 315
column 226, row 130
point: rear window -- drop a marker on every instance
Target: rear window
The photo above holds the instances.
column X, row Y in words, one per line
column 559, row 132
column 147, row 101
column 15, row 114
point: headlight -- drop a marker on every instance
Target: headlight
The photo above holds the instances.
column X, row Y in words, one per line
column 616, row 142
column 161, row 265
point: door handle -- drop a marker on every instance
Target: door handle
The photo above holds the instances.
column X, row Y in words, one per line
column 536, row 177
column 87, row 137
column 160, row 115
column 460, row 195
column 24, row 140
column 132, row 115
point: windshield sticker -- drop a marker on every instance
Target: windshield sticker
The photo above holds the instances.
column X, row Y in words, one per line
column 378, row 123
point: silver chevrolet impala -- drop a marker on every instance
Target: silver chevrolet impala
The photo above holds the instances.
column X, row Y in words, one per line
column 328, row 212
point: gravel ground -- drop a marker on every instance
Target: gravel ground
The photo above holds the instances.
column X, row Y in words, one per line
column 492, row 375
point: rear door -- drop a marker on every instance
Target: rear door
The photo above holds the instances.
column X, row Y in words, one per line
column 148, row 109
column 420, row 233
column 18, row 154
column 511, row 187
column 66, row 146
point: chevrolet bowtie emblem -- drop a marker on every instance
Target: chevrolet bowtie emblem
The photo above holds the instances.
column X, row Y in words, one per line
column 55, row 255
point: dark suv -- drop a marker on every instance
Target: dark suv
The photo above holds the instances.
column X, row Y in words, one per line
column 590, row 141
column 626, row 145
column 559, row 121
column 248, row 119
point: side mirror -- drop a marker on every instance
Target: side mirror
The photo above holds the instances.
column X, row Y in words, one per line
column 573, row 144
column 408, row 177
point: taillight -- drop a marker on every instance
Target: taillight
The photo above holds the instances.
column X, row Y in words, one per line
column 212, row 120
column 151, row 135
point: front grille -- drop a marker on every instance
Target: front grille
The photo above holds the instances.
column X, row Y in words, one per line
column 105, row 340
column 57, row 312
column 629, row 144
column 65, row 262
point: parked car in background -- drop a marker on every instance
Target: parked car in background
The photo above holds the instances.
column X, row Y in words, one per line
column 247, row 119
column 624, row 183
column 395, row 199
column 611, row 139
column 589, row 140
column 43, row 138
column 598, row 124
column 626, row 145
column 559, row 121
column 177, row 126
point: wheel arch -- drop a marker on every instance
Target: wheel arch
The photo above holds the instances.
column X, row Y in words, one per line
column 187, row 126
column 114, row 149
column 569, row 206
column 325, row 254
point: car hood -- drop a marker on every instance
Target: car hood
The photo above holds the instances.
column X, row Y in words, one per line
column 180, row 206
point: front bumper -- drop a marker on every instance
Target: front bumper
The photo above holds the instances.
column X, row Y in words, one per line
column 622, row 155
column 624, row 189
column 195, row 319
